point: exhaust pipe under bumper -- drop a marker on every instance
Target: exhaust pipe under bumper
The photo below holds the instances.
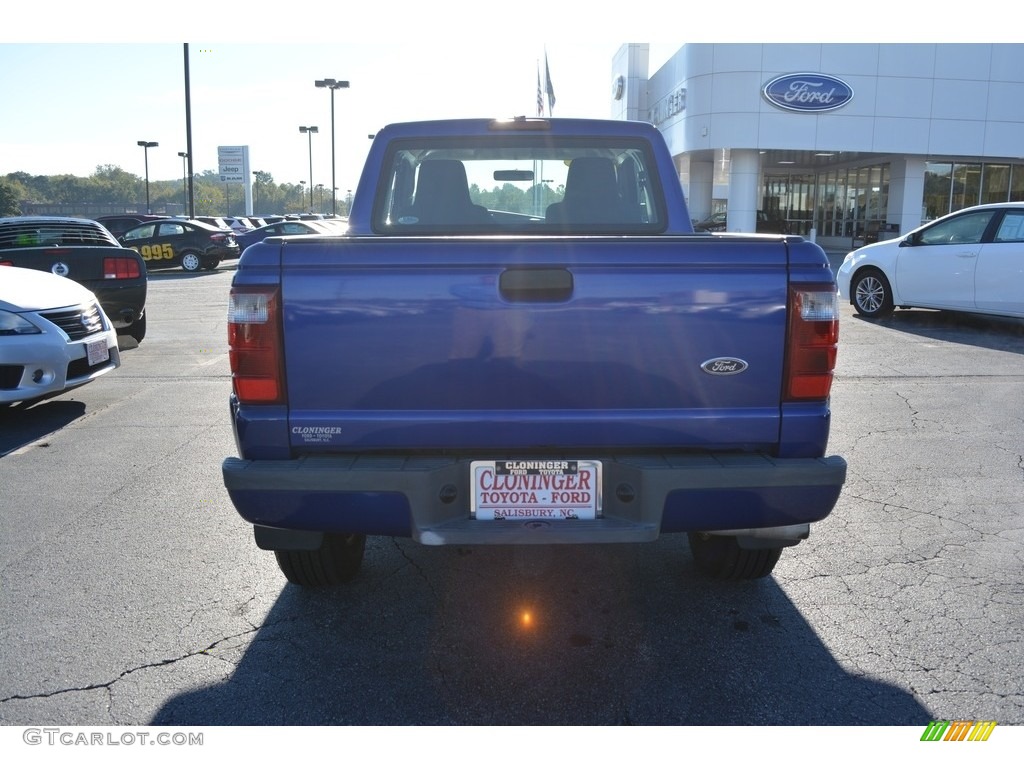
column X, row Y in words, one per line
column 767, row 538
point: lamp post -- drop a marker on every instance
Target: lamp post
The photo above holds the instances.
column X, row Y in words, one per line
column 255, row 190
column 184, row 179
column 333, row 85
column 145, row 149
column 310, row 129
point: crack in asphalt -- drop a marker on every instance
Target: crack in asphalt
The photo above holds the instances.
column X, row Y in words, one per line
column 419, row 570
column 142, row 667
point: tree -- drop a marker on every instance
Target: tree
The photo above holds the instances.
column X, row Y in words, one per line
column 116, row 186
column 9, row 197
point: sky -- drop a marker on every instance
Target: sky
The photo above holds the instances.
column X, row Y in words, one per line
column 68, row 106
column 259, row 94
column 73, row 106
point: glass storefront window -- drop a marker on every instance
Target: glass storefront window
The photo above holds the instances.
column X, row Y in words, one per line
column 938, row 178
column 846, row 203
column 1017, row 183
column 966, row 185
column 854, row 202
column 995, row 184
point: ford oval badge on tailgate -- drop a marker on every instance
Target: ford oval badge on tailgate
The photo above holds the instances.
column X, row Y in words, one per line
column 724, row 366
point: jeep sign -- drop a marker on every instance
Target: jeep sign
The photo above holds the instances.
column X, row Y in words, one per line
column 232, row 163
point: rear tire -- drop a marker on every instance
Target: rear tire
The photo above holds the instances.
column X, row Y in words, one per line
column 191, row 261
column 721, row 557
column 336, row 562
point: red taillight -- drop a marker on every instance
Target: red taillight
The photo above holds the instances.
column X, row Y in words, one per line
column 254, row 345
column 120, row 268
column 812, row 343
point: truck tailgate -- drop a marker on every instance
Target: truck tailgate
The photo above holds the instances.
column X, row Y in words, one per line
column 533, row 343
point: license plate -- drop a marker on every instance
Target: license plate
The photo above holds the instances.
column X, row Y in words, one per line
column 536, row 489
column 97, row 352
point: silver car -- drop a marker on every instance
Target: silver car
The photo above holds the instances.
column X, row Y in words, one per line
column 54, row 336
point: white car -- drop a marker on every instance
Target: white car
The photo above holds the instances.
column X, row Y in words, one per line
column 54, row 335
column 969, row 261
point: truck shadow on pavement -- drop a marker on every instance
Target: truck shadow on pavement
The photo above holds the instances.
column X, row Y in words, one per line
column 604, row 635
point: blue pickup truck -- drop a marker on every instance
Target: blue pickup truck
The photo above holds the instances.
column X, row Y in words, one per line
column 520, row 340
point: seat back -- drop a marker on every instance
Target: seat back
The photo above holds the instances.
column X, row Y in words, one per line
column 591, row 194
column 442, row 195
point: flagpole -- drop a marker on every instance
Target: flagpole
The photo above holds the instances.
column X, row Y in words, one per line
column 548, row 86
column 536, row 175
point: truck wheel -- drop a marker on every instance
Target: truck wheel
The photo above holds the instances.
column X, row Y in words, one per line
column 336, row 562
column 872, row 296
column 720, row 557
column 191, row 262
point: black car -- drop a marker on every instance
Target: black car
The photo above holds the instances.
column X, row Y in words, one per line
column 119, row 223
column 84, row 251
column 186, row 243
column 767, row 222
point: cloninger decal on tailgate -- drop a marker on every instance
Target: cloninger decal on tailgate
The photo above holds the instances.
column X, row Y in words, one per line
column 316, row 434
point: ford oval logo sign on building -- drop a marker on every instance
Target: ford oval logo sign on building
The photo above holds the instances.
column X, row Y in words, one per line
column 808, row 92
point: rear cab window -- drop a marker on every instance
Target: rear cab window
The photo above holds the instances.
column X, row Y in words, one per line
column 525, row 184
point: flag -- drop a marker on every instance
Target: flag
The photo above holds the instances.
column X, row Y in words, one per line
column 540, row 95
column 548, row 86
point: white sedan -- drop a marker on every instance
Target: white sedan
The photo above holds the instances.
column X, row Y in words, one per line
column 54, row 335
column 969, row 261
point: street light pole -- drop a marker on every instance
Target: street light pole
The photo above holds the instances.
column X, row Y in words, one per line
column 184, row 179
column 145, row 149
column 255, row 190
column 310, row 129
column 333, row 85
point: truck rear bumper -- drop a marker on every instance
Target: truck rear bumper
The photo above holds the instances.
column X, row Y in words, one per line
column 427, row 498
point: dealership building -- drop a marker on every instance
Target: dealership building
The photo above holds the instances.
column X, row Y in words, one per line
column 846, row 142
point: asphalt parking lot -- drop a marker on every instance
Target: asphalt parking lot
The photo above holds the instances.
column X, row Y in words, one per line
column 133, row 594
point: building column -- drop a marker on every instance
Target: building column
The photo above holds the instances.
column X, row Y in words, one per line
column 701, row 188
column 744, row 171
column 906, row 192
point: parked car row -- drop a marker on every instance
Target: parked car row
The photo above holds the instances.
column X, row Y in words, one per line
column 69, row 286
column 292, row 227
column 84, row 251
column 118, row 224
column 59, row 331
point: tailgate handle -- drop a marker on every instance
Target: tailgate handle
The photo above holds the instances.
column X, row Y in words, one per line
column 541, row 284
